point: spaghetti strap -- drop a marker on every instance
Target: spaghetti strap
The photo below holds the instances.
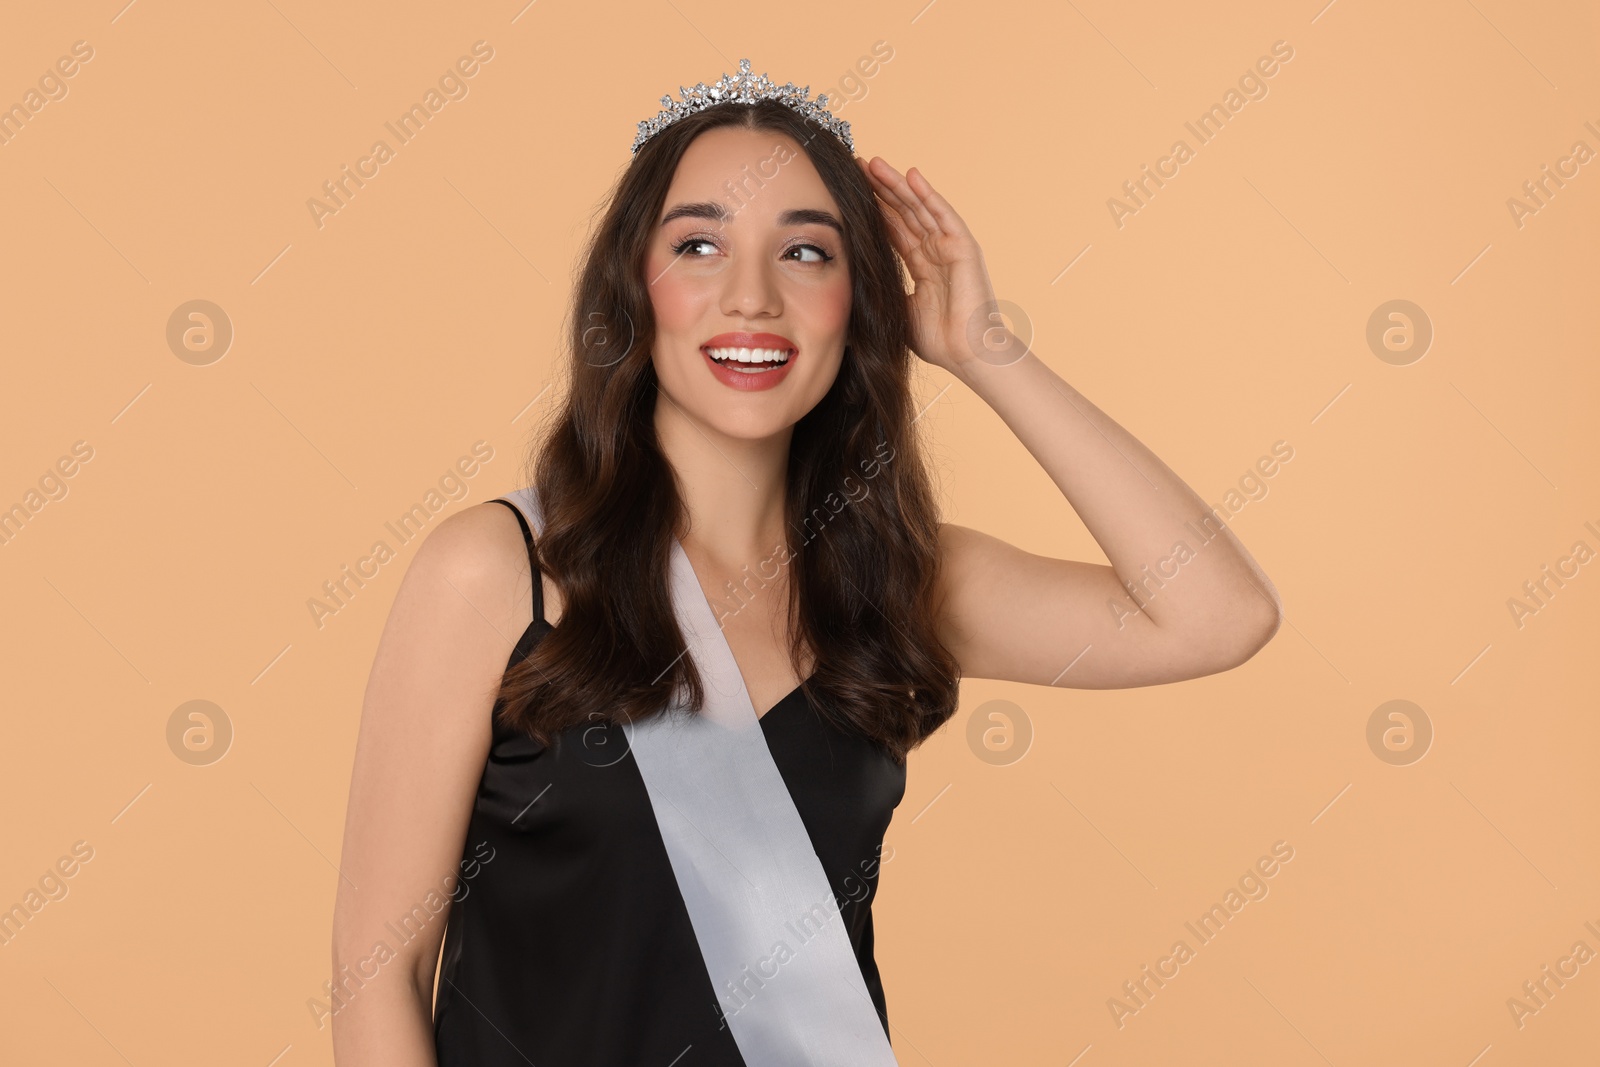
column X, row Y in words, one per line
column 533, row 561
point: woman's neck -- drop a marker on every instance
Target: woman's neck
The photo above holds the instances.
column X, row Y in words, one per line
column 733, row 488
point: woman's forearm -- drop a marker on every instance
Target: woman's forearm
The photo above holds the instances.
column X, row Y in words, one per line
column 387, row 1023
column 1133, row 504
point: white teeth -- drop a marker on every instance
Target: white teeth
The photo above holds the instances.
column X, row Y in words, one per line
column 750, row 355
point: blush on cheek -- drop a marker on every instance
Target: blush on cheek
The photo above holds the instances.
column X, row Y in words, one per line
column 672, row 297
column 676, row 303
column 833, row 306
column 826, row 310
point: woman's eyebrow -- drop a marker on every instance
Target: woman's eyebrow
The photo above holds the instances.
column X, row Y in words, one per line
column 710, row 209
column 703, row 209
column 804, row 215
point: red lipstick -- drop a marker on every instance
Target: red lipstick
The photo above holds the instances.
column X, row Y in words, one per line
column 757, row 375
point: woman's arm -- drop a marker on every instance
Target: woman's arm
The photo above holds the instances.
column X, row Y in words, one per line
column 425, row 733
column 1202, row 606
column 1199, row 603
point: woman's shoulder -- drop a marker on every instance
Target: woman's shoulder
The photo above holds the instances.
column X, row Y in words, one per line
column 487, row 545
column 480, row 542
column 480, row 553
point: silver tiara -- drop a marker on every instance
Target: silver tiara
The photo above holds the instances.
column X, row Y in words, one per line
column 744, row 88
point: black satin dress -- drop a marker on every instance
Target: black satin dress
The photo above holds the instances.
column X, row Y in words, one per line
column 570, row 945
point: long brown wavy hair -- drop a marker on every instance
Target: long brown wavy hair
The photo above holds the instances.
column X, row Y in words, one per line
column 860, row 513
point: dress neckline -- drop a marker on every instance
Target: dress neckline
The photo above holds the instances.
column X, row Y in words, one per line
column 798, row 690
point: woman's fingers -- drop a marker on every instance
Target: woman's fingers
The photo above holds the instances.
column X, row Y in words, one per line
column 900, row 235
column 910, row 199
column 904, row 242
column 891, row 194
column 949, row 221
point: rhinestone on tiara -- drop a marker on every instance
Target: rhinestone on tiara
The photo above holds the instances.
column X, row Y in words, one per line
column 743, row 88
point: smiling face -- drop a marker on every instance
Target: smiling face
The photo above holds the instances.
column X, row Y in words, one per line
column 748, row 254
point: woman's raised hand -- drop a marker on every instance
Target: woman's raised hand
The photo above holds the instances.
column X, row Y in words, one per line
column 952, row 299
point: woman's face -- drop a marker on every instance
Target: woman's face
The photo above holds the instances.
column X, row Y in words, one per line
column 748, row 254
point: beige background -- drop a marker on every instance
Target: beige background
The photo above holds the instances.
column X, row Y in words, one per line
column 1230, row 312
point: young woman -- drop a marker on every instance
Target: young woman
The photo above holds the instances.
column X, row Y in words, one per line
column 729, row 525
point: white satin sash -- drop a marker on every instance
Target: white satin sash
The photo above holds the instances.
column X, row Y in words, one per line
column 787, row 981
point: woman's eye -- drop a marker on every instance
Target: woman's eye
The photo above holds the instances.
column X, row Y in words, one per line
column 821, row 257
column 684, row 245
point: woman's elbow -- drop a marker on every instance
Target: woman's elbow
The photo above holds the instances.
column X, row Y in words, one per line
column 1250, row 635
